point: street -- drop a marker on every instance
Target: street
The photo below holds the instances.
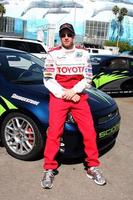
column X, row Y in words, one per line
column 20, row 180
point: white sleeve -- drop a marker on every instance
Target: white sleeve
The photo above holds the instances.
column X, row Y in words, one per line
column 49, row 77
column 54, row 87
column 87, row 73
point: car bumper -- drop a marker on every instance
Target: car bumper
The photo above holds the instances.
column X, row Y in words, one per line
column 72, row 143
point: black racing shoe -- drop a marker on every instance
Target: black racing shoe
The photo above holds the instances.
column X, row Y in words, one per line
column 47, row 180
column 96, row 174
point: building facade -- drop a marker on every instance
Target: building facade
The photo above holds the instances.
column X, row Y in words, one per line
column 12, row 26
column 94, row 35
column 96, row 32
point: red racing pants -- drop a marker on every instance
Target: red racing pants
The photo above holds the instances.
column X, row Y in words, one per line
column 58, row 109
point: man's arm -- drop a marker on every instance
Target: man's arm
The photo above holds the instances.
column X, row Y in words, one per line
column 49, row 78
column 84, row 83
column 88, row 75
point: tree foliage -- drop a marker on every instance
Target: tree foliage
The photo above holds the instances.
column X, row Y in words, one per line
column 117, row 22
column 2, row 9
column 123, row 46
column 115, row 10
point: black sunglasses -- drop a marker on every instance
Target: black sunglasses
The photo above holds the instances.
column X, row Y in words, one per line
column 64, row 35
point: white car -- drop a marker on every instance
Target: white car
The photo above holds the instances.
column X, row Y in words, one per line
column 95, row 51
column 34, row 47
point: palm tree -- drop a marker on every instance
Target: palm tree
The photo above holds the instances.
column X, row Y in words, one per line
column 2, row 11
column 114, row 24
column 119, row 16
column 115, row 10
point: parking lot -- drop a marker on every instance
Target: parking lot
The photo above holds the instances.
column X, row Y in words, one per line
column 21, row 180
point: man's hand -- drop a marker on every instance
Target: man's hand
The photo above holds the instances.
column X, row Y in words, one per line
column 68, row 94
column 75, row 98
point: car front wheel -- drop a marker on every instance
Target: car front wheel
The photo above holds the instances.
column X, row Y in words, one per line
column 21, row 137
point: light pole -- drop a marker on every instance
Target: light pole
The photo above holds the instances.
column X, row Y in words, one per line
column 75, row 16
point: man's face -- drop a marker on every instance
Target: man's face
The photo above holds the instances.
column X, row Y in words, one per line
column 67, row 39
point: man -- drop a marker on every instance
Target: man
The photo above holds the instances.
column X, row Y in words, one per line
column 68, row 73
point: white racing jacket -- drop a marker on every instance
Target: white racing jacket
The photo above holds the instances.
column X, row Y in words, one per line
column 69, row 69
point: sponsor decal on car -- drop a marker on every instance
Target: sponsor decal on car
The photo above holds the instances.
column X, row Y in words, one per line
column 103, row 79
column 31, row 101
column 7, row 103
column 110, row 131
column 120, row 92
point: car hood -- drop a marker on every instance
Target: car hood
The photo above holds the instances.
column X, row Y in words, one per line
column 98, row 100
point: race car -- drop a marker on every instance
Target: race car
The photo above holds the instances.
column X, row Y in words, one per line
column 24, row 111
column 113, row 74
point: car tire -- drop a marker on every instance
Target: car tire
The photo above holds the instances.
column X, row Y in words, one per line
column 21, row 137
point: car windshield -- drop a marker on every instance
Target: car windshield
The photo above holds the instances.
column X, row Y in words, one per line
column 30, row 47
column 97, row 59
column 20, row 67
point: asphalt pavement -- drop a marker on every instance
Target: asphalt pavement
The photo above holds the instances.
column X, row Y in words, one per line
column 20, row 180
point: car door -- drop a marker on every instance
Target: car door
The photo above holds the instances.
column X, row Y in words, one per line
column 127, row 83
column 113, row 73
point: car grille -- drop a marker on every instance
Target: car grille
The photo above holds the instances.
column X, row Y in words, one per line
column 108, row 117
column 69, row 118
column 101, row 120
